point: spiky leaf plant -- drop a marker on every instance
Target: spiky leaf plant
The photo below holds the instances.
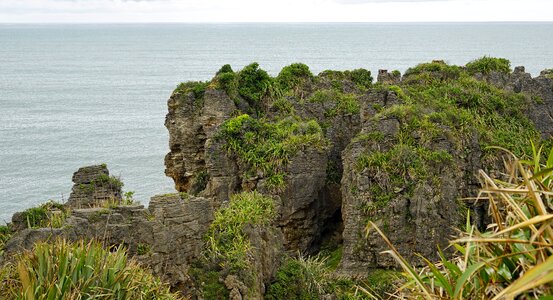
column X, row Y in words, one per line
column 71, row 271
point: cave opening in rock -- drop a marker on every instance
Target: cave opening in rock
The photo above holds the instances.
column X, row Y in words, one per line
column 331, row 227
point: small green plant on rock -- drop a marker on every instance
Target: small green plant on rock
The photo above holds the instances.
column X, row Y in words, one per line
column 143, row 249
column 5, row 235
column 128, row 198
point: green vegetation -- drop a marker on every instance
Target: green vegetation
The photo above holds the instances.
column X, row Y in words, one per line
column 254, row 83
column 299, row 279
column 404, row 166
column 313, row 277
column 228, row 248
column 143, row 249
column 266, row 147
column 434, row 70
column 486, row 65
column 111, row 181
column 209, row 284
column 5, row 235
column 225, row 69
column 128, row 198
column 463, row 105
column 512, row 259
column 361, row 77
column 226, row 241
column 440, row 102
column 49, row 214
column 345, row 104
column 196, row 87
column 63, row 270
column 294, row 77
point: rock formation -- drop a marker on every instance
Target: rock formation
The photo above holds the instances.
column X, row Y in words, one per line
column 333, row 151
column 93, row 186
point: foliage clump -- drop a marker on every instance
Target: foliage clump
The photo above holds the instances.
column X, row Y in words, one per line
column 227, row 242
column 49, row 214
column 344, row 104
column 313, row 277
column 63, row 270
column 361, row 77
column 485, row 65
column 196, row 87
column 294, row 76
column 254, row 83
column 106, row 180
column 434, row 71
column 5, row 235
column 264, row 146
column 440, row 102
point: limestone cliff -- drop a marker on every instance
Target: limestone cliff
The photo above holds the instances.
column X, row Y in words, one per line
column 402, row 152
column 267, row 167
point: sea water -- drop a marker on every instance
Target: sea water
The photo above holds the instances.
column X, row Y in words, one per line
column 76, row 95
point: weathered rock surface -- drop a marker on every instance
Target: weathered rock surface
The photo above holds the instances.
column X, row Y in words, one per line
column 167, row 236
column 93, row 186
column 329, row 193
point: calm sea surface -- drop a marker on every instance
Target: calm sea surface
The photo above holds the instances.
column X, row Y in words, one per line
column 75, row 95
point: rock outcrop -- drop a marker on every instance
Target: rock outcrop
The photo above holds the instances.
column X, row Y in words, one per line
column 419, row 210
column 333, row 152
column 93, row 186
column 168, row 236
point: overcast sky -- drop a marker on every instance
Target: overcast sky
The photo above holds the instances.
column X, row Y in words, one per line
column 12, row 11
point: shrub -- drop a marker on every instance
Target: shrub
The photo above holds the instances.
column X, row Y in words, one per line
column 253, row 83
column 362, row 78
column 293, row 76
column 196, row 87
column 111, row 181
column 434, row 71
column 64, row 270
column 345, row 104
column 227, row 243
column 302, row 278
column 5, row 234
column 227, row 82
column 225, row 69
column 512, row 258
column 49, row 214
column 486, row 65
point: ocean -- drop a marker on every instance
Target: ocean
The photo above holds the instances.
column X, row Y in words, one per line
column 76, row 95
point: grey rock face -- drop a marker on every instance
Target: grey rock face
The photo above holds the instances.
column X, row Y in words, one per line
column 191, row 123
column 93, row 186
column 167, row 236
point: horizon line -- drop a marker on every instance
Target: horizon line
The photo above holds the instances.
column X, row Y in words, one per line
column 273, row 22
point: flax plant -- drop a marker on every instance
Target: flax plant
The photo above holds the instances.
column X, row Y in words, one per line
column 68, row 271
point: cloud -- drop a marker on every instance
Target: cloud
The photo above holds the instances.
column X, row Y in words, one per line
column 387, row 1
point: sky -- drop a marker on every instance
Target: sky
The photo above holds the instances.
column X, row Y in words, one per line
column 191, row 11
